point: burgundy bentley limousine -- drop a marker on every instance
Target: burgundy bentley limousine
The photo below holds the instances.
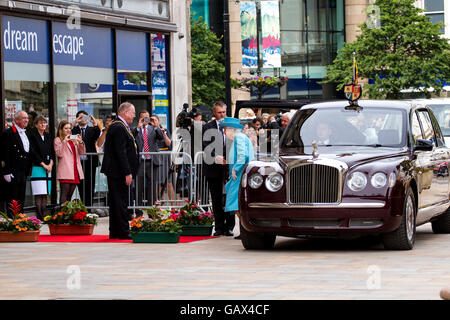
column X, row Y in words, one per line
column 347, row 171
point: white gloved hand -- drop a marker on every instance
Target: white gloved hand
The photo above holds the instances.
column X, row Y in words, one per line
column 8, row 177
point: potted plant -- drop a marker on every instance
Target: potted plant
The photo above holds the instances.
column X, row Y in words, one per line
column 157, row 229
column 72, row 219
column 194, row 221
column 19, row 228
column 261, row 84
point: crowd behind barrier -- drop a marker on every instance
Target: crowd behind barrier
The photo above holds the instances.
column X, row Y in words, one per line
column 178, row 175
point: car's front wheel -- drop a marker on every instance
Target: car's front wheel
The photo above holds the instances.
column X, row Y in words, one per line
column 404, row 237
column 256, row 241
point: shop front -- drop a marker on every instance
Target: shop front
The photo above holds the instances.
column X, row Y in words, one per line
column 55, row 71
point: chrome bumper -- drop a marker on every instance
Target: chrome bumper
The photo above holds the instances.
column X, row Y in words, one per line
column 347, row 205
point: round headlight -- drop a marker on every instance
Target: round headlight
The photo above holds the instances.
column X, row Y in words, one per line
column 357, row 181
column 378, row 180
column 274, row 181
column 255, row 181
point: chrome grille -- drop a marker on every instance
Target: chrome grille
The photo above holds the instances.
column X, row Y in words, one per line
column 314, row 183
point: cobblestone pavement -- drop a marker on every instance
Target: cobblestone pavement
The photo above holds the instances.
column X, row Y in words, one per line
column 221, row 269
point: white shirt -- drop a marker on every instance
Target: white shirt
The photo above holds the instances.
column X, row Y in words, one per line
column 24, row 138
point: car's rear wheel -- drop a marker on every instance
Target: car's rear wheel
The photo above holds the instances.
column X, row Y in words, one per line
column 442, row 224
column 256, row 241
column 404, row 237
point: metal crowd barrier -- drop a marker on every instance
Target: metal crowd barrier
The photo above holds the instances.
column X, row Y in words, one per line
column 165, row 178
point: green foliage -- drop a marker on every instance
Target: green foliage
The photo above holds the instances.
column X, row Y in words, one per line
column 261, row 84
column 208, row 70
column 72, row 212
column 407, row 51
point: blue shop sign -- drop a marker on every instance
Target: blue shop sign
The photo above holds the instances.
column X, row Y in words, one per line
column 85, row 47
column 132, row 50
column 25, row 40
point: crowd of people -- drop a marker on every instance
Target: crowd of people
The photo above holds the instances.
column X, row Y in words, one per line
column 130, row 155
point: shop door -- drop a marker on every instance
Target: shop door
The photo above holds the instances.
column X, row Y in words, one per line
column 140, row 103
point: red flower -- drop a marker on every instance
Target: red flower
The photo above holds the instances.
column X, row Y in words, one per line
column 15, row 207
column 79, row 215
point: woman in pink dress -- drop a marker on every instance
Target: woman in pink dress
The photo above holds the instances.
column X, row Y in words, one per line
column 69, row 171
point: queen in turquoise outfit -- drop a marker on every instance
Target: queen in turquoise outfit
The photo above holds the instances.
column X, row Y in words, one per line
column 240, row 154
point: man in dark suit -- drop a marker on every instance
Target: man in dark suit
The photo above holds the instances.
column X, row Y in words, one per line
column 90, row 135
column 215, row 170
column 147, row 136
column 120, row 164
column 16, row 158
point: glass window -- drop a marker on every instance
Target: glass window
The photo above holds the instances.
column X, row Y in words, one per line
column 30, row 96
column 155, row 8
column 94, row 98
column 442, row 113
column 435, row 18
column 427, row 127
column 437, row 130
column 415, row 127
column 340, row 127
column 434, row 5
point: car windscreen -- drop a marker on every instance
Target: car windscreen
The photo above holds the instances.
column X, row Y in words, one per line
column 442, row 114
column 377, row 127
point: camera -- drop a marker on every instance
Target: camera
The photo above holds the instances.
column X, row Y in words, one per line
column 85, row 118
column 73, row 137
column 146, row 120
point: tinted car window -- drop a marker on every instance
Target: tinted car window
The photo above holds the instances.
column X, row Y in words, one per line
column 442, row 113
column 341, row 127
column 437, row 131
column 427, row 127
column 415, row 127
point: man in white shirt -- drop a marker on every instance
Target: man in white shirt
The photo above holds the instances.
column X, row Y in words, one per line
column 16, row 159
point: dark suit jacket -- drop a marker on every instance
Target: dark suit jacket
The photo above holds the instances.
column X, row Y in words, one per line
column 121, row 155
column 91, row 136
column 213, row 170
column 42, row 150
column 154, row 135
column 15, row 160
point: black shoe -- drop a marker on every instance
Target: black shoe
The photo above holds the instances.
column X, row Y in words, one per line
column 218, row 233
column 125, row 237
column 228, row 233
column 238, row 237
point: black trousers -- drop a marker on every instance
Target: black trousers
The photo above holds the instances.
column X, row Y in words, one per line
column 118, row 202
column 16, row 190
column 223, row 221
column 87, row 185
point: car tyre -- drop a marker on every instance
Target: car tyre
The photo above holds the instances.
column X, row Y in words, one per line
column 404, row 237
column 256, row 241
column 442, row 224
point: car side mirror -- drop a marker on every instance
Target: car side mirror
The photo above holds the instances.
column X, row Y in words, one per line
column 423, row 145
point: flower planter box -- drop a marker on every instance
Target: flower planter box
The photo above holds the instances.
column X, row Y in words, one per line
column 197, row 230
column 23, row 236
column 155, row 237
column 73, row 229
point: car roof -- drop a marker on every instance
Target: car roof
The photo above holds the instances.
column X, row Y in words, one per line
column 397, row 104
column 432, row 101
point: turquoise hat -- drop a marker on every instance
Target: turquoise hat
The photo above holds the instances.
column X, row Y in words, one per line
column 231, row 122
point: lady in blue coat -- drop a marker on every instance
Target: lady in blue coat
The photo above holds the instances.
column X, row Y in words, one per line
column 241, row 153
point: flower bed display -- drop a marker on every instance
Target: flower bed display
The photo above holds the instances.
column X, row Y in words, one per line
column 72, row 219
column 19, row 228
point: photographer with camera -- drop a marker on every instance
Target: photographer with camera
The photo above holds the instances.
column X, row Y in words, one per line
column 147, row 135
column 90, row 135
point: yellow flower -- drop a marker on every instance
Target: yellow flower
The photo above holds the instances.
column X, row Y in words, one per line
column 47, row 218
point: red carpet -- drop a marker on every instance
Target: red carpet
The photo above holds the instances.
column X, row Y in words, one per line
column 102, row 239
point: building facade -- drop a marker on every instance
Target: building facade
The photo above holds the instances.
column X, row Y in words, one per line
column 60, row 57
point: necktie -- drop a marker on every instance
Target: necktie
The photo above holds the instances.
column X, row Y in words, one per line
column 146, row 147
column 82, row 132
